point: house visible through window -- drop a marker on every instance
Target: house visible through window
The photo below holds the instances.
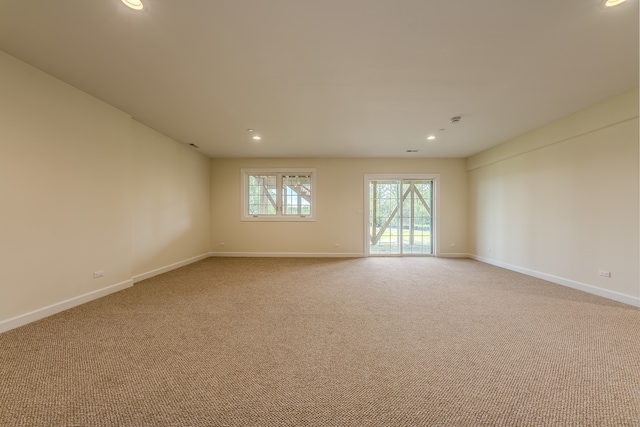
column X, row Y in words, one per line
column 278, row 194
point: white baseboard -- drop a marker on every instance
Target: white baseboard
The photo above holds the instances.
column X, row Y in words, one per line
column 313, row 255
column 453, row 255
column 143, row 276
column 289, row 254
column 23, row 319
column 52, row 309
column 613, row 295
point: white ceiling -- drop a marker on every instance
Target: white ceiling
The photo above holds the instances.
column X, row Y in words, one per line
column 334, row 78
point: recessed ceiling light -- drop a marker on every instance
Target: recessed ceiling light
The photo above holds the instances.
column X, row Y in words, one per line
column 134, row 4
column 256, row 137
column 431, row 137
column 611, row 3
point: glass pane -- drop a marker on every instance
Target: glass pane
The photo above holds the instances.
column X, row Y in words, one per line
column 262, row 195
column 384, row 217
column 416, row 217
column 296, row 195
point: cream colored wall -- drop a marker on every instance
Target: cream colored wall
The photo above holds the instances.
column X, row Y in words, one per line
column 65, row 173
column 83, row 188
column 171, row 201
column 78, row 195
column 563, row 200
column 340, row 206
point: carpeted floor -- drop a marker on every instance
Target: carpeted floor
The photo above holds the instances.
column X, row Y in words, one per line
column 329, row 342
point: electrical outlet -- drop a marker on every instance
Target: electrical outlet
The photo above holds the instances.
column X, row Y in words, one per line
column 98, row 273
column 604, row 273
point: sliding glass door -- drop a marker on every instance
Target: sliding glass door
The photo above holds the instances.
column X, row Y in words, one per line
column 400, row 215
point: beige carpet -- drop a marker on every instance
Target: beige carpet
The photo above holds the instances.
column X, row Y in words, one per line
column 329, row 342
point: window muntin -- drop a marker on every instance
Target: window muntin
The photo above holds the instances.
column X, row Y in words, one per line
column 278, row 194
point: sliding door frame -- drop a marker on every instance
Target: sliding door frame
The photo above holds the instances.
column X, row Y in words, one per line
column 435, row 209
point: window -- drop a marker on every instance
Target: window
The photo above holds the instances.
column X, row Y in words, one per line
column 278, row 194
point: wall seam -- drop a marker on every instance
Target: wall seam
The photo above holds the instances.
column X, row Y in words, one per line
column 551, row 144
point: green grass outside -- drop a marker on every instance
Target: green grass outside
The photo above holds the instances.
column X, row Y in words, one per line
column 388, row 242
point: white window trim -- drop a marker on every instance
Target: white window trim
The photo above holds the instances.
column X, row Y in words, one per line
column 278, row 217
